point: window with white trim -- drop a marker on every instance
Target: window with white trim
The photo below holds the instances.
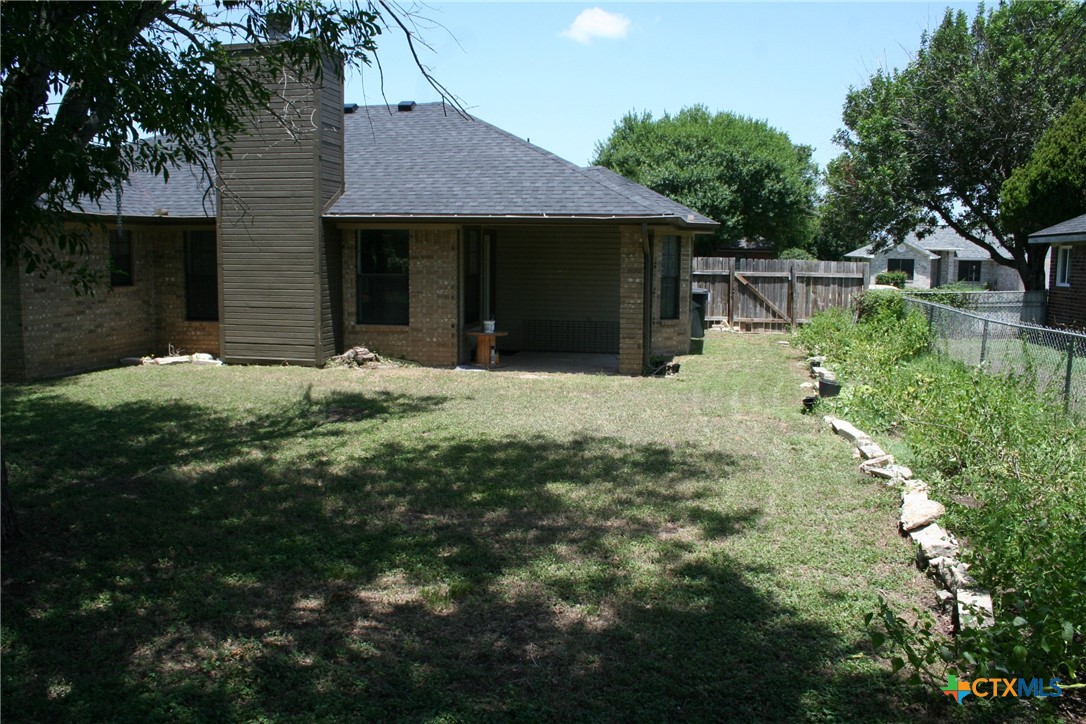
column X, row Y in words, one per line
column 1063, row 266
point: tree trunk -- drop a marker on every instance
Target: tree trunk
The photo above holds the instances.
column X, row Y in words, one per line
column 1033, row 270
column 8, row 530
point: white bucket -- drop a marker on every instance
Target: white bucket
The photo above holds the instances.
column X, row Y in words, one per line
column 488, row 327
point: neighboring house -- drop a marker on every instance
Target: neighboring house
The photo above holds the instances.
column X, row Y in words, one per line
column 398, row 228
column 943, row 257
column 1067, row 271
column 741, row 249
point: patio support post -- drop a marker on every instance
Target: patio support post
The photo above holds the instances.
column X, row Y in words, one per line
column 631, row 302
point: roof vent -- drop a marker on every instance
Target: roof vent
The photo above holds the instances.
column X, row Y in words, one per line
column 406, row 106
column 350, row 107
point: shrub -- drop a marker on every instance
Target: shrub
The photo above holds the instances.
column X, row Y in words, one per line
column 798, row 254
column 879, row 306
column 892, row 278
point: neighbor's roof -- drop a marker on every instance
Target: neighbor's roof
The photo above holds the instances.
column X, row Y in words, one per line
column 433, row 162
column 941, row 239
column 1065, row 232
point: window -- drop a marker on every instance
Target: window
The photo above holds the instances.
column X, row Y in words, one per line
column 120, row 259
column 201, row 277
column 901, row 265
column 1063, row 266
column 382, row 277
column 669, row 277
column 968, row 271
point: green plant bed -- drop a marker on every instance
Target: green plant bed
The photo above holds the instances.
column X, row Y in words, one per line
column 1007, row 462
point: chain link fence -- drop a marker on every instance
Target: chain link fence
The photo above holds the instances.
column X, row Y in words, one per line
column 1055, row 361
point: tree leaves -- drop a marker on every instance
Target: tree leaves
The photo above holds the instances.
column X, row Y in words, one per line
column 82, row 82
column 1051, row 186
column 935, row 142
column 740, row 172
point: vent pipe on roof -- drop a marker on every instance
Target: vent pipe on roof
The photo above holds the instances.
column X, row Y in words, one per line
column 350, row 107
column 406, row 106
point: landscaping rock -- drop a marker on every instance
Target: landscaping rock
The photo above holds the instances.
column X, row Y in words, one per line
column 945, row 600
column 816, row 361
column 952, row 574
column 806, row 385
column 973, row 610
column 824, row 374
column 180, row 359
column 207, row 362
column 885, row 468
column 847, row 431
column 914, row 486
column 917, row 511
column 933, row 542
column 870, row 450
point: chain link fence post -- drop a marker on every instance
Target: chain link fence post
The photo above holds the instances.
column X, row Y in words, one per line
column 984, row 341
column 1067, row 377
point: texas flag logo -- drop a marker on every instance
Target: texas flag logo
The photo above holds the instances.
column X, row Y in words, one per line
column 958, row 689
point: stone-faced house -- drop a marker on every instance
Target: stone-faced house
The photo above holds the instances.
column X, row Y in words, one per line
column 1067, row 271
column 400, row 228
column 942, row 257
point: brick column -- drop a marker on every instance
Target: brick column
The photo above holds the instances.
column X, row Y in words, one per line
column 631, row 309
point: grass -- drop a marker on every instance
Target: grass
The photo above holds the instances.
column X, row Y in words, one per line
column 284, row 544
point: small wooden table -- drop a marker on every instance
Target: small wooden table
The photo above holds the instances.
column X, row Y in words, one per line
column 484, row 342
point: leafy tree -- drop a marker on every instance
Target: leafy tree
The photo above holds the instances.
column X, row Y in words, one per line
column 796, row 254
column 83, row 82
column 739, row 171
column 935, row 142
column 1051, row 187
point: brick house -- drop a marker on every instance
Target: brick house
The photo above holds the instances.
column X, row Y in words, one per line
column 399, row 228
column 1067, row 271
column 940, row 258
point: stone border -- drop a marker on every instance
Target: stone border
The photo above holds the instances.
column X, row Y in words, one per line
column 937, row 550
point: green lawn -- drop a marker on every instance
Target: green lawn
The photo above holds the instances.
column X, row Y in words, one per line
column 284, row 543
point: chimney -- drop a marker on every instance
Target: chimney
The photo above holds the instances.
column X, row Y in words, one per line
column 286, row 168
column 406, row 106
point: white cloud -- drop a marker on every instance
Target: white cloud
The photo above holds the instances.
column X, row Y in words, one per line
column 597, row 23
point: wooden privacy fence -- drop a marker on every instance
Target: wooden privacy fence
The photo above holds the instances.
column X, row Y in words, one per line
column 774, row 293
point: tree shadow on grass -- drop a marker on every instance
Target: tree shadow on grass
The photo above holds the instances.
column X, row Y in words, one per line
column 173, row 567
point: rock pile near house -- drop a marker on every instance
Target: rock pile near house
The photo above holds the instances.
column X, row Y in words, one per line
column 354, row 357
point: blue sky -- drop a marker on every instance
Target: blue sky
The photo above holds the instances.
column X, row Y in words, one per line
column 527, row 68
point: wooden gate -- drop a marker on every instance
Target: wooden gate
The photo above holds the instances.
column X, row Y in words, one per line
column 775, row 293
